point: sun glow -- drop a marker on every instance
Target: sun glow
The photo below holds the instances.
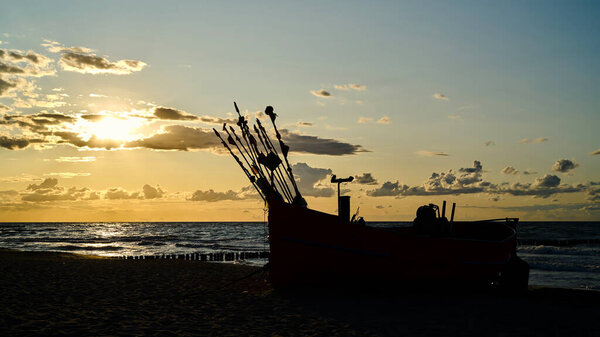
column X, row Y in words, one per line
column 109, row 127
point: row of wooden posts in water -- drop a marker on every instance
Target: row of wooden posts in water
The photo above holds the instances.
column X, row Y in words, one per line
column 216, row 256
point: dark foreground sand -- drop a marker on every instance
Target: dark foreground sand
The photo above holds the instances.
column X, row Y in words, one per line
column 65, row 294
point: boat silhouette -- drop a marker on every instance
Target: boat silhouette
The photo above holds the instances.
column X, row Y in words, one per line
column 313, row 247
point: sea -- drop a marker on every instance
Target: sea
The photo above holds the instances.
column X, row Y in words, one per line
column 560, row 254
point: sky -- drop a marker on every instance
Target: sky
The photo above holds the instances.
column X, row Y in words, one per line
column 107, row 108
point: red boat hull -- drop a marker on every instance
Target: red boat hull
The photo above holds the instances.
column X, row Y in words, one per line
column 308, row 246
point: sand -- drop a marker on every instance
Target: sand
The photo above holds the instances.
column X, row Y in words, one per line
column 67, row 294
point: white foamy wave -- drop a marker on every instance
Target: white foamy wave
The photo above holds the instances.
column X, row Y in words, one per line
column 582, row 250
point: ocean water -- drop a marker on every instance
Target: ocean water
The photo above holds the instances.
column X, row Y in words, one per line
column 561, row 254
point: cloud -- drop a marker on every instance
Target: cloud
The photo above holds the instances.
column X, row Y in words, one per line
column 384, row 120
column 477, row 167
column 17, row 143
column 489, row 143
column 172, row 114
column 454, row 117
column 57, row 47
column 426, row 153
column 92, row 64
column 303, row 124
column 6, row 87
column 440, row 97
column 351, row 86
column 218, row 120
column 548, row 180
column 75, row 159
column 364, row 120
column 564, row 165
column 316, row 145
column 529, row 172
column 36, row 65
column 365, row 179
column 73, row 138
column 534, row 141
column 444, row 183
column 47, row 183
column 152, row 192
column 49, row 190
column 67, row 175
column 313, row 181
column 595, row 153
column 178, row 137
column 509, row 170
column 470, row 181
column 212, row 196
column 117, row 193
column 321, row 93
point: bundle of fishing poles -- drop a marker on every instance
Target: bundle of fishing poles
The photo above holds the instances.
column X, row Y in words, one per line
column 272, row 177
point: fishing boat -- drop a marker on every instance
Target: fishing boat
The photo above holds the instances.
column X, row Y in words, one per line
column 313, row 247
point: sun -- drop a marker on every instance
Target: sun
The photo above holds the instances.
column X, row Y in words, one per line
column 115, row 128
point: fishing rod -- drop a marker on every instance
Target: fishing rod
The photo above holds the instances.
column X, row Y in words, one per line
column 267, row 145
column 284, row 148
column 231, row 141
column 250, row 177
column 254, row 166
column 256, row 155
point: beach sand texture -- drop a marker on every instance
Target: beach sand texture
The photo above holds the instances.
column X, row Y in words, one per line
column 67, row 294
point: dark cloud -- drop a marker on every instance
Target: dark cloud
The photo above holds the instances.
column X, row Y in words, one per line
column 8, row 69
column 509, row 170
column 477, row 167
column 365, row 179
column 172, row 114
column 387, row 189
column 313, row 181
column 529, row 172
column 321, row 93
column 489, row 143
column 67, row 137
column 212, row 196
column 48, row 190
column 564, row 165
column 152, row 192
column 47, row 183
column 178, row 137
column 92, row 64
column 316, row 145
column 17, row 143
column 93, row 118
column 595, row 153
column 6, row 86
column 549, row 180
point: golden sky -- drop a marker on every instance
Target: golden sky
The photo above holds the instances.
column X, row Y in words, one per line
column 107, row 110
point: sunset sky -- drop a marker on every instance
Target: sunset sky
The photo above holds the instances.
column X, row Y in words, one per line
column 106, row 107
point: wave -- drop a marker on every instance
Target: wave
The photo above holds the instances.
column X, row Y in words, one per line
column 558, row 242
column 88, row 248
column 560, row 250
column 557, row 266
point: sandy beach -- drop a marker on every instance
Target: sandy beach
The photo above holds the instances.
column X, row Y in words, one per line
column 67, row 294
